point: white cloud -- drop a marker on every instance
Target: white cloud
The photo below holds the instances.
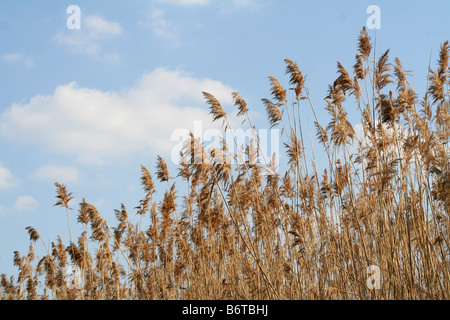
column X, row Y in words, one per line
column 89, row 38
column 95, row 125
column 225, row 4
column 56, row 173
column 161, row 26
column 112, row 57
column 25, row 204
column 230, row 6
column 99, row 27
column 169, row 30
column 7, row 180
column 12, row 57
column 3, row 211
column 244, row 3
column 186, row 2
column 16, row 58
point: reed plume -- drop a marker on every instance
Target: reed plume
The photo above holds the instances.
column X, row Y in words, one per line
column 309, row 227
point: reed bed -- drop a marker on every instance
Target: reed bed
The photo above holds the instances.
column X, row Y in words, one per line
column 245, row 231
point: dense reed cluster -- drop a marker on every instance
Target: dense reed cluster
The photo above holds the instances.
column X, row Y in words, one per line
column 243, row 230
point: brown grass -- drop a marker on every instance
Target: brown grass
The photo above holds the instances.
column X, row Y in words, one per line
column 383, row 199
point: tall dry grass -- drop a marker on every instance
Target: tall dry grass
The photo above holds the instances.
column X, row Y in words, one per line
column 382, row 199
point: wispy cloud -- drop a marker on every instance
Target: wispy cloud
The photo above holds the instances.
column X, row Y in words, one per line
column 244, row 3
column 17, row 58
column 56, row 173
column 161, row 26
column 12, row 57
column 3, row 211
column 95, row 125
column 25, row 204
column 186, row 2
column 98, row 27
column 7, row 179
column 90, row 37
column 230, row 4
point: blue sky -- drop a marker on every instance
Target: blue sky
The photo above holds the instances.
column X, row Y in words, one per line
column 87, row 107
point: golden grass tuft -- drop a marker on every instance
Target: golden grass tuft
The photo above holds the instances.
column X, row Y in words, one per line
column 312, row 231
